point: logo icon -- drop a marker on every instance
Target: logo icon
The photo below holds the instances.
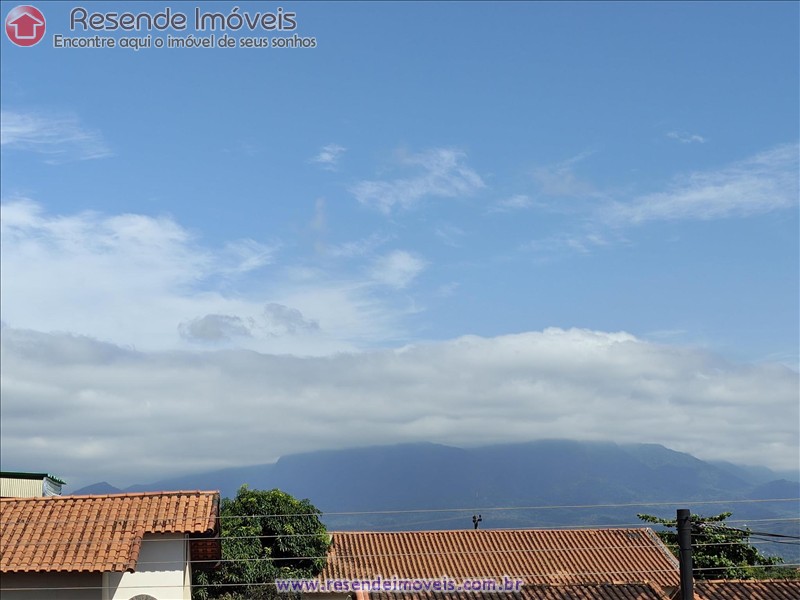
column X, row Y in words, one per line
column 25, row 25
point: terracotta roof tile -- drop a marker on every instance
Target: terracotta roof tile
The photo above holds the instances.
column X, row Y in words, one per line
column 603, row 591
column 95, row 533
column 535, row 556
column 779, row 589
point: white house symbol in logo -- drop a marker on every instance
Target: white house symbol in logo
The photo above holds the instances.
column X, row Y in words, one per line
column 25, row 25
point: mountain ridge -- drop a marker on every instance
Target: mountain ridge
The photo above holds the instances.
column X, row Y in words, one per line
column 436, row 476
column 539, row 484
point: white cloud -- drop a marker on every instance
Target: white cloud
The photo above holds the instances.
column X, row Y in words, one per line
column 362, row 247
column 91, row 411
column 762, row 183
column 146, row 281
column 686, row 138
column 765, row 182
column 284, row 320
column 329, row 156
column 248, row 255
column 397, row 269
column 215, row 328
column 439, row 173
column 60, row 139
column 275, row 321
column 515, row 202
column 549, row 246
column 450, row 234
column 560, row 179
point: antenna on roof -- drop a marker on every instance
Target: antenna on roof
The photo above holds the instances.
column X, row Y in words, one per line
column 476, row 519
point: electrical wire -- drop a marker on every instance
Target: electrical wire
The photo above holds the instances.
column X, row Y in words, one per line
column 637, row 527
column 487, row 510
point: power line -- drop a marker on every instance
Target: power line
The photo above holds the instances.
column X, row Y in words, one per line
column 487, row 510
column 760, row 533
column 631, row 527
column 476, row 552
column 100, row 544
column 554, row 507
column 451, row 553
column 431, row 553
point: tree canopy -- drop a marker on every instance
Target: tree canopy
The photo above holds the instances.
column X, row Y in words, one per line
column 718, row 551
column 265, row 535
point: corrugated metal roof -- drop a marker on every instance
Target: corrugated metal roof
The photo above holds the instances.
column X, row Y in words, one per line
column 23, row 475
column 21, row 488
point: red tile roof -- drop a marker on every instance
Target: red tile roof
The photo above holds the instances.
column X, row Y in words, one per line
column 603, row 591
column 779, row 589
column 96, row 533
column 535, row 556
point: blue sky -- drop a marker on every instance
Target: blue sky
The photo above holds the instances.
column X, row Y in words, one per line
column 598, row 177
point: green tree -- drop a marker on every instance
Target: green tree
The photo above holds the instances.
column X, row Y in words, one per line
column 718, row 551
column 265, row 535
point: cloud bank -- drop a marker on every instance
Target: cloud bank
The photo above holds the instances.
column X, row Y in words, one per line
column 91, row 411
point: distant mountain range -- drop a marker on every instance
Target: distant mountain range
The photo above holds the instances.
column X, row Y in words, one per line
column 562, row 483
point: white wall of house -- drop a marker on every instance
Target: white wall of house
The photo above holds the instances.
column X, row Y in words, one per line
column 162, row 571
column 51, row 586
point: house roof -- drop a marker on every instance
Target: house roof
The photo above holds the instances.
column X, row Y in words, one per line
column 96, row 533
column 602, row 591
column 535, row 556
column 22, row 475
column 777, row 589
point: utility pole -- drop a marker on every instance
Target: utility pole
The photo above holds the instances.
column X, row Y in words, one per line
column 684, row 523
